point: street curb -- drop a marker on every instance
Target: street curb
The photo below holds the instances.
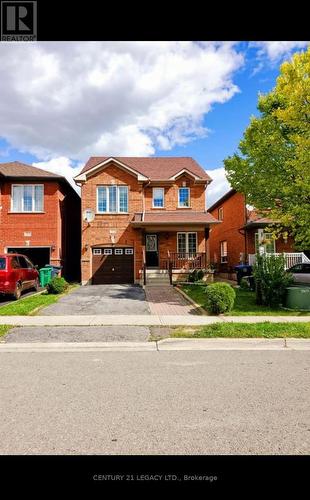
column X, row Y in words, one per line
column 214, row 344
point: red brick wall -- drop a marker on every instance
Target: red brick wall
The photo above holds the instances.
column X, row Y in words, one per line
column 46, row 228
column 197, row 196
column 98, row 232
column 281, row 246
column 234, row 219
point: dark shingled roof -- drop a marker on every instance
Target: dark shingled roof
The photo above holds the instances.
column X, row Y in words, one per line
column 159, row 168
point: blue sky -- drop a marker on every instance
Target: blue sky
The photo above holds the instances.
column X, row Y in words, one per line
column 61, row 103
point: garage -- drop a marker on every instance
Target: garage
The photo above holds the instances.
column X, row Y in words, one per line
column 39, row 256
column 112, row 265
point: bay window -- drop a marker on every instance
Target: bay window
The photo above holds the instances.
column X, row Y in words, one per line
column 27, row 198
column 112, row 199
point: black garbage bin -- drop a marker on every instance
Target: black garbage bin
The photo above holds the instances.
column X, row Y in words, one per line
column 243, row 270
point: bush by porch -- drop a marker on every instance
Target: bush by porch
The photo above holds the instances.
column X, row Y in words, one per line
column 245, row 303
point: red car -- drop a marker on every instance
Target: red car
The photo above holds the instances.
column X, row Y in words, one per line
column 17, row 273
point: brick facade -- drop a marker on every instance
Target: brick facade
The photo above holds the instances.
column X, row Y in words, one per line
column 233, row 219
column 57, row 227
column 240, row 242
column 98, row 232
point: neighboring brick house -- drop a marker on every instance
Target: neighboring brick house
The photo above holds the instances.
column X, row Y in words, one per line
column 40, row 216
column 241, row 233
column 141, row 213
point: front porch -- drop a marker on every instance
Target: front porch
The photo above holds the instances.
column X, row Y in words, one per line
column 291, row 258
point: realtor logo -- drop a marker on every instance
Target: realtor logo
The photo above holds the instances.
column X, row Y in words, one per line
column 18, row 21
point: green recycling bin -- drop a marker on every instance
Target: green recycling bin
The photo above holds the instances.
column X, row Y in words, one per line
column 45, row 275
column 298, row 297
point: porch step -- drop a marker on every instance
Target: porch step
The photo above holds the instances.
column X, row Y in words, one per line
column 157, row 280
column 156, row 272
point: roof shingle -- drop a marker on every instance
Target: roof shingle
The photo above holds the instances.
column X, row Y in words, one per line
column 175, row 216
column 18, row 169
column 155, row 168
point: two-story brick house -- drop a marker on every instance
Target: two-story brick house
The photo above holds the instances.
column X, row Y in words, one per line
column 141, row 213
column 40, row 216
column 243, row 232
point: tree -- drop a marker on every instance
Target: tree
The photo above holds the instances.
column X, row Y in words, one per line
column 272, row 167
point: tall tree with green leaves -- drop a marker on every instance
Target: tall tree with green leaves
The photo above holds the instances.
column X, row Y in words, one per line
column 272, row 166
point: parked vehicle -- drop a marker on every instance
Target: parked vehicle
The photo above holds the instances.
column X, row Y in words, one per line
column 17, row 273
column 301, row 273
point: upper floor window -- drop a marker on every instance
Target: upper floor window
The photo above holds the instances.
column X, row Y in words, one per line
column 221, row 213
column 27, row 198
column 184, row 197
column 112, row 199
column 158, row 197
column 224, row 258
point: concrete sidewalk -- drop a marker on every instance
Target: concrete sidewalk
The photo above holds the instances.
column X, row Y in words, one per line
column 216, row 344
column 143, row 320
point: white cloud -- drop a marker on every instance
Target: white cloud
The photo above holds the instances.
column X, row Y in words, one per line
column 62, row 166
column 74, row 99
column 218, row 186
column 275, row 51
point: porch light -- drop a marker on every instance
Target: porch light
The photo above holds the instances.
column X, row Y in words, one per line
column 53, row 248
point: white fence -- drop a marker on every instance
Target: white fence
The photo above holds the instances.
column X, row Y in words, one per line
column 290, row 258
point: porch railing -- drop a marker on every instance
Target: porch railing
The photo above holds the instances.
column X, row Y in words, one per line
column 187, row 261
column 290, row 258
column 144, row 266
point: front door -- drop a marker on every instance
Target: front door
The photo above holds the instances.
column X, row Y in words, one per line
column 151, row 250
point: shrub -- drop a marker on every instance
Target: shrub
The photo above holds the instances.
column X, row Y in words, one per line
column 220, row 298
column 195, row 275
column 57, row 285
column 244, row 284
column 271, row 279
column 200, row 274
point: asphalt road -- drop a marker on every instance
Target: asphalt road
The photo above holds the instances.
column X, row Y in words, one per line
column 186, row 402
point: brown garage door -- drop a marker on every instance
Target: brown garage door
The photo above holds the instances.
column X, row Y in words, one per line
column 113, row 265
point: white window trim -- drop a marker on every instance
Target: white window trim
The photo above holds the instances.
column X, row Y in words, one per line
column 189, row 196
column 22, row 210
column 128, row 251
column 260, row 236
column 107, row 251
column 221, row 211
column 118, row 251
column 186, row 241
column 106, row 186
column 224, row 256
column 163, row 191
column 97, row 251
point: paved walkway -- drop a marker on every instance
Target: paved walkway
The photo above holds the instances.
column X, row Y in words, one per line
column 168, row 301
column 143, row 320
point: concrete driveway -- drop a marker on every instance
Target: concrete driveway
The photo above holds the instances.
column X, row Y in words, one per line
column 100, row 299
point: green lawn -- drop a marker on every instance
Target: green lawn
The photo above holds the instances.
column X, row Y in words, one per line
column 4, row 329
column 245, row 330
column 244, row 304
column 31, row 305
